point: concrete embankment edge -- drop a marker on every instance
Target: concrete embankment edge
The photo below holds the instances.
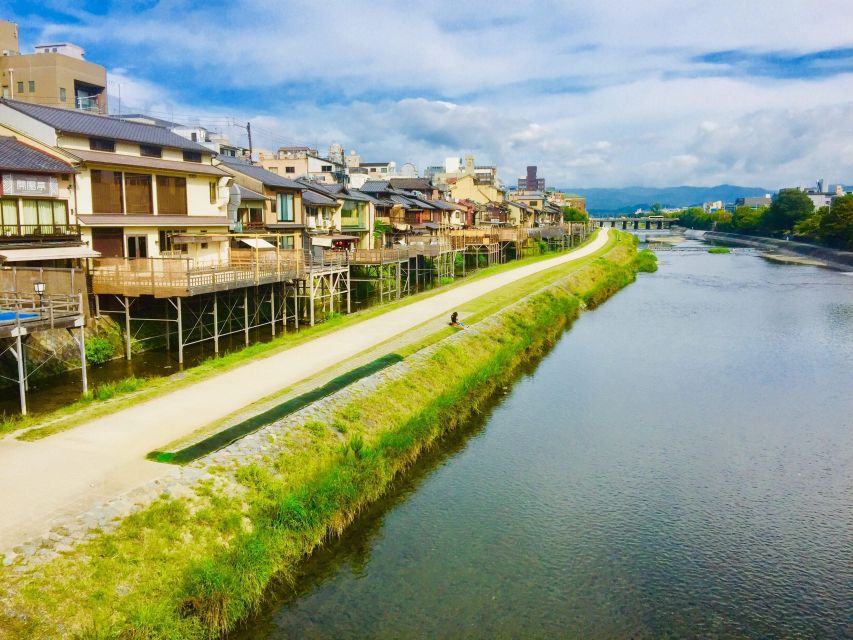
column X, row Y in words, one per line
column 834, row 258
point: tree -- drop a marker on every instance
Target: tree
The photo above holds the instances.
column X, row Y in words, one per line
column 836, row 225
column 656, row 209
column 789, row 207
column 810, row 227
column 572, row 214
column 748, row 220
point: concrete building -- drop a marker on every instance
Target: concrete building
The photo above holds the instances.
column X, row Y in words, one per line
column 530, row 182
column 302, row 162
column 56, row 74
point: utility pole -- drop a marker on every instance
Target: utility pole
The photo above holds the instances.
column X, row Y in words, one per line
column 249, row 133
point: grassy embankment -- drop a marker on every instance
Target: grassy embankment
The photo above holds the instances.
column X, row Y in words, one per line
column 195, row 568
column 111, row 397
column 719, row 250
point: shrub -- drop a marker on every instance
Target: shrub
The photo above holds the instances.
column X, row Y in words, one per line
column 99, row 350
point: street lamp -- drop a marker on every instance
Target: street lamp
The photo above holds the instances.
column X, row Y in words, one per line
column 38, row 286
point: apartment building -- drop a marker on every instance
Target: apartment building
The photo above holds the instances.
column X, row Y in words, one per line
column 55, row 74
column 302, row 162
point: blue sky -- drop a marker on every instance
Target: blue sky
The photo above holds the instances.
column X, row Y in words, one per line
column 596, row 94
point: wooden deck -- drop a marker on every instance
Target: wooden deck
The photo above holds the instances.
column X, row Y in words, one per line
column 23, row 313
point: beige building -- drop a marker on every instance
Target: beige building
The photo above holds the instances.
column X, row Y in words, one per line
column 139, row 191
column 302, row 162
column 55, row 75
column 468, row 187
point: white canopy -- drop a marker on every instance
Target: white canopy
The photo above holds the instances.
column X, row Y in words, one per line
column 257, row 243
column 47, row 253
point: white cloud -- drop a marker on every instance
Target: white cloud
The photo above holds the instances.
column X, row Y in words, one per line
column 596, row 94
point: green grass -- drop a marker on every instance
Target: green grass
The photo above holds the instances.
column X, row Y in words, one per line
column 194, row 568
column 719, row 250
column 85, row 409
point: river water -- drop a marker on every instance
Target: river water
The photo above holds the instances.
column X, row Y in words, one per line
column 679, row 465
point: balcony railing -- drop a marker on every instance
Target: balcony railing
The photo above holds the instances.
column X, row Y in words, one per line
column 39, row 233
column 172, row 276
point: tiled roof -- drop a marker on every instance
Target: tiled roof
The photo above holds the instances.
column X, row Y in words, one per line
column 17, row 156
column 375, row 186
column 92, row 124
column 268, row 178
column 311, row 197
column 412, row 184
column 249, row 194
column 105, row 157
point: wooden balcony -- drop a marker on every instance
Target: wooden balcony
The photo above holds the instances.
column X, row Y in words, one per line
column 39, row 233
column 378, row 256
column 22, row 313
column 167, row 277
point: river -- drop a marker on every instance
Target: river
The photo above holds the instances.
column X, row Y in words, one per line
column 679, row 465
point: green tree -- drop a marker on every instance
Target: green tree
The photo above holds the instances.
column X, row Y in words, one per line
column 656, row 209
column 789, row 207
column 810, row 227
column 748, row 220
column 572, row 214
column 836, row 225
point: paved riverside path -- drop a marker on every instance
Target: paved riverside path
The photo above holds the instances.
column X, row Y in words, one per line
column 51, row 481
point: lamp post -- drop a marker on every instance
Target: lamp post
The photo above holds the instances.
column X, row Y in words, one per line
column 38, row 286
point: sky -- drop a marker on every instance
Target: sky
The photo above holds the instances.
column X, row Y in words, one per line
column 597, row 94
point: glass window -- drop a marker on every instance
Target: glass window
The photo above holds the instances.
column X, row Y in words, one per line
column 213, row 190
column 62, row 95
column 192, row 156
column 102, row 144
column 10, row 216
column 171, row 195
column 285, row 207
column 60, row 213
column 29, row 216
column 45, row 214
column 150, row 151
column 32, row 86
column 286, row 242
column 290, row 169
column 106, row 191
column 137, row 193
column 21, row 86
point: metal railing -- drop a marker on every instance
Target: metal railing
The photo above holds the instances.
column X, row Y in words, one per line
column 30, row 308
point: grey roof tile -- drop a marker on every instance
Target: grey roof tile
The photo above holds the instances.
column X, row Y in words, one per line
column 17, row 156
column 92, row 124
column 268, row 178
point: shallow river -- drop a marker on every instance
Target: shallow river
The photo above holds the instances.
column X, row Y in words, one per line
column 679, row 465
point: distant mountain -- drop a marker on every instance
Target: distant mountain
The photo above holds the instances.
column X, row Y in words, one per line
column 629, row 199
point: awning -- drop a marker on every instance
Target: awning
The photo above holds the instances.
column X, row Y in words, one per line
column 326, row 241
column 257, row 243
column 432, row 225
column 47, row 253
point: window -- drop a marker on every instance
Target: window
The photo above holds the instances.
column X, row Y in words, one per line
column 326, row 168
column 137, row 246
column 192, row 156
column 286, row 242
column 290, row 169
column 9, row 210
column 106, row 191
column 137, row 193
column 213, row 191
column 150, row 151
column 62, row 96
column 273, row 169
column 32, row 86
column 20, row 86
column 285, row 207
column 102, row 144
column 166, row 243
column 372, row 169
column 194, row 136
column 171, row 195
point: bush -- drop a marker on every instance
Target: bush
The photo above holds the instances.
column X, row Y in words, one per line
column 99, row 350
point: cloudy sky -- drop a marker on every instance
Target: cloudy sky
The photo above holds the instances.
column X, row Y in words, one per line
column 652, row 93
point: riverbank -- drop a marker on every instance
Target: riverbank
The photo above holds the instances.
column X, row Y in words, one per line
column 193, row 566
column 834, row 258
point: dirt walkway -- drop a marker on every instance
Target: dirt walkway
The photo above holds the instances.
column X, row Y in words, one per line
column 50, row 481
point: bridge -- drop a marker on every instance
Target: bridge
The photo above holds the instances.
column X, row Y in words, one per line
column 649, row 222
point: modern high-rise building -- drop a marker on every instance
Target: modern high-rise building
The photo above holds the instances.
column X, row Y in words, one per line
column 55, row 75
column 530, row 182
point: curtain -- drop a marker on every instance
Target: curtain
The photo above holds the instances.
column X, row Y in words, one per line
column 10, row 217
column 137, row 193
column 285, row 207
column 29, row 217
column 171, row 195
column 60, row 212
column 106, row 191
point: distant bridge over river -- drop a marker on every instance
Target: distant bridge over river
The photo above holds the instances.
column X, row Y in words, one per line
column 650, row 222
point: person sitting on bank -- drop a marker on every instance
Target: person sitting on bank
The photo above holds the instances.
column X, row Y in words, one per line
column 454, row 321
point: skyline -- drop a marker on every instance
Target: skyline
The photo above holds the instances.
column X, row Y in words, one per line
column 702, row 97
